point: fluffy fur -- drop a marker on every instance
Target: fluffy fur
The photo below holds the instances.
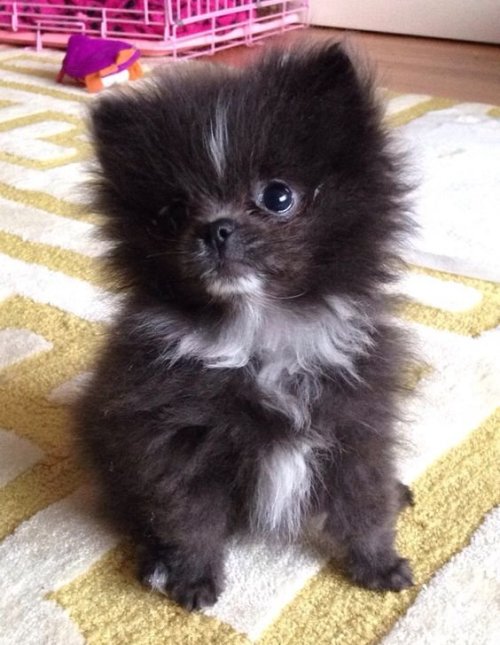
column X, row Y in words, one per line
column 251, row 379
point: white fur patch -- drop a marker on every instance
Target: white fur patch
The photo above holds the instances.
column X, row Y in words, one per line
column 231, row 348
column 305, row 347
column 251, row 284
column 287, row 344
column 217, row 139
column 158, row 579
column 283, row 488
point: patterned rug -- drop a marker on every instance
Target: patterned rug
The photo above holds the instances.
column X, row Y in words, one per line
column 65, row 578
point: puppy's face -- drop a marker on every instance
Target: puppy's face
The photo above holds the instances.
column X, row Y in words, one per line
column 236, row 245
column 272, row 181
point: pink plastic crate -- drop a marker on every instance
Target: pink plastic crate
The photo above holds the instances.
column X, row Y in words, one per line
column 179, row 28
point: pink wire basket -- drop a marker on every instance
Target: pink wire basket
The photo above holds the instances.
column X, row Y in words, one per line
column 178, row 28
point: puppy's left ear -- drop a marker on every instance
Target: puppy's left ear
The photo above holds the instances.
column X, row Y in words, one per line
column 326, row 98
column 327, row 66
column 324, row 69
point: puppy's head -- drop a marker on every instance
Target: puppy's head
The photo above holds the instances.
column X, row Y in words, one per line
column 274, row 180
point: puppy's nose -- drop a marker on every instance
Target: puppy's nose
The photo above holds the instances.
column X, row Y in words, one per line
column 219, row 232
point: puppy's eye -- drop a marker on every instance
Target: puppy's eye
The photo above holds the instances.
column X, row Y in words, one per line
column 277, row 197
column 171, row 217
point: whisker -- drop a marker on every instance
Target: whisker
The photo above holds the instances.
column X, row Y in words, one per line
column 297, row 295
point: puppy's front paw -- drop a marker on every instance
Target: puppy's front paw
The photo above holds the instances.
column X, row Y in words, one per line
column 393, row 576
column 195, row 594
column 406, row 497
column 190, row 591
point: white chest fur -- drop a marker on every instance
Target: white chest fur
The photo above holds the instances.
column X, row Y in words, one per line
column 301, row 341
column 294, row 357
column 287, row 347
column 283, row 488
column 301, row 351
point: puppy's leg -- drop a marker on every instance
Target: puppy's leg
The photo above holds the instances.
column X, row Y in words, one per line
column 183, row 572
column 406, row 497
column 184, row 558
column 364, row 501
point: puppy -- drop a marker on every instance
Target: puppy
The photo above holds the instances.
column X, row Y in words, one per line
column 251, row 380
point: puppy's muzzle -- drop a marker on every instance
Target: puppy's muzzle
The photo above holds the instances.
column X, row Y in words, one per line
column 218, row 233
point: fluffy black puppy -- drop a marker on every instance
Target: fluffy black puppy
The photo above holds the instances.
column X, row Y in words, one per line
column 250, row 381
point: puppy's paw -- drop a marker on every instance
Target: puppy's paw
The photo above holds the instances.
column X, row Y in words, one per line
column 406, row 497
column 394, row 576
column 195, row 594
column 191, row 591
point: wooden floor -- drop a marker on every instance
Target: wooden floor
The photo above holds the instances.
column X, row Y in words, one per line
column 465, row 71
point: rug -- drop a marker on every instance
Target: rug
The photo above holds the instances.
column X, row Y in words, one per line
column 65, row 578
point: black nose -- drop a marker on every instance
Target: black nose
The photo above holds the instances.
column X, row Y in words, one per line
column 219, row 232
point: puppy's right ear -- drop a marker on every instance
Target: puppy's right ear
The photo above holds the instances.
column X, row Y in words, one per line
column 113, row 118
column 126, row 145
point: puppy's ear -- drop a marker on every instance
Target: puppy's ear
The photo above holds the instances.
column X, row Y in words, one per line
column 105, row 113
column 114, row 121
column 314, row 72
column 125, row 140
column 324, row 99
column 323, row 68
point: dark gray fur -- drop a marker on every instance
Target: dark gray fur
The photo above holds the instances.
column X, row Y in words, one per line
column 179, row 438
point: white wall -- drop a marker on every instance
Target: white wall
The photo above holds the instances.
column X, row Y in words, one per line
column 462, row 19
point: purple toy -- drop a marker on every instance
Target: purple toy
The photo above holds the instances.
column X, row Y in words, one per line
column 98, row 62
